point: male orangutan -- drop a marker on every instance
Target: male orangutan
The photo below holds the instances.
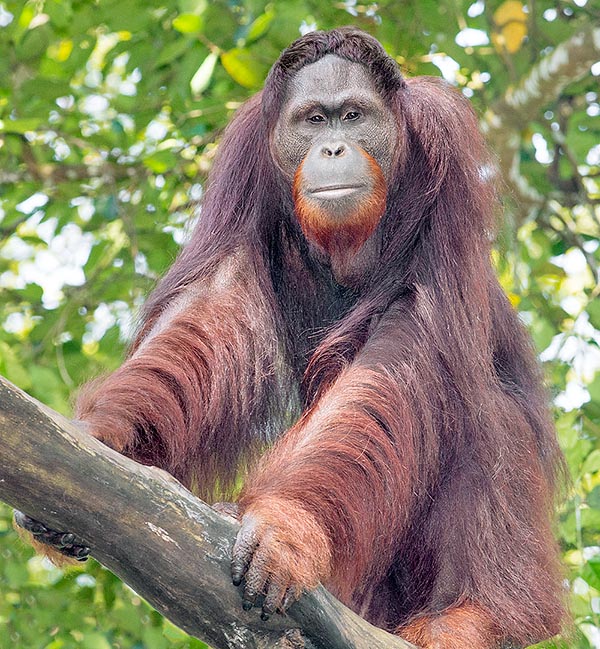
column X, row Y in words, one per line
column 336, row 302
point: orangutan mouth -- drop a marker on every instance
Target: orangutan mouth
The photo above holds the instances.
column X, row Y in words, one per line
column 335, row 191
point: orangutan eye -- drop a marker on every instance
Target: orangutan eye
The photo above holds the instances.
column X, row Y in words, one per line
column 316, row 119
column 351, row 116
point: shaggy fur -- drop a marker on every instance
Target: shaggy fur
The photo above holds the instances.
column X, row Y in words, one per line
column 418, row 472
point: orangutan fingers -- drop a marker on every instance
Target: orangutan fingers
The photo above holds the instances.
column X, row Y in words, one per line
column 65, row 542
column 243, row 549
column 256, row 578
column 275, row 594
column 291, row 595
column 79, row 552
column 28, row 523
column 67, row 539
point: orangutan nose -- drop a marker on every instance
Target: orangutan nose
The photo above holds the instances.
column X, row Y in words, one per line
column 333, row 150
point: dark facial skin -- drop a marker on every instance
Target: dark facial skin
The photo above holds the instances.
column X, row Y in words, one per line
column 334, row 100
column 337, row 141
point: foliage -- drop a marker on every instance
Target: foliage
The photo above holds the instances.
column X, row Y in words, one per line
column 43, row 606
column 109, row 117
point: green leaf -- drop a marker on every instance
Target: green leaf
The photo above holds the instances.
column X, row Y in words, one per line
column 47, row 386
column 590, row 519
column 260, row 26
column 242, row 67
column 188, row 23
column 594, row 389
column 593, row 498
column 46, row 88
column 32, row 293
column 592, row 462
column 173, row 633
column 109, row 588
column 34, row 43
column 192, row 129
column 203, row 75
column 172, row 51
column 593, row 310
column 60, row 12
column 12, row 369
column 16, row 575
column 592, row 573
column 160, row 161
column 108, row 207
column 95, row 641
column 96, row 256
column 542, row 332
column 154, row 639
column 20, row 125
column 192, row 6
column 566, row 426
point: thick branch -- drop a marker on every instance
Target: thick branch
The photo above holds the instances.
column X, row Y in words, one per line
column 141, row 523
column 567, row 63
column 503, row 123
column 52, row 174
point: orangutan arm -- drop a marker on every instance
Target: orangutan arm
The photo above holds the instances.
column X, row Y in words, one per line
column 190, row 397
column 328, row 502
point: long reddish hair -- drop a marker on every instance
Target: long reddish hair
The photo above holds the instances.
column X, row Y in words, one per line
column 465, row 391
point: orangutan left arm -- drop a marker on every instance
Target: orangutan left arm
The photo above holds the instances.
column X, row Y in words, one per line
column 327, row 503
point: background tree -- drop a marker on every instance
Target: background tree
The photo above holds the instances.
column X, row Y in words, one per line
column 110, row 113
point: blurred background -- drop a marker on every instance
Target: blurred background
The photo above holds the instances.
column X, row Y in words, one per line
column 110, row 114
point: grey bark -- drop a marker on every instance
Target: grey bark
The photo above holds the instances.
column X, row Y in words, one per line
column 504, row 122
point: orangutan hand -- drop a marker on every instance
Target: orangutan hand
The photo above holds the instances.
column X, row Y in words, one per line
column 63, row 543
column 281, row 551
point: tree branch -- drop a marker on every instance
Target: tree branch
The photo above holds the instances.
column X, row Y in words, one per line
column 172, row 548
column 52, row 174
column 568, row 62
column 503, row 122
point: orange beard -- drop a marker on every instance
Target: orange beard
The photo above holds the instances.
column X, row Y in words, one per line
column 341, row 236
